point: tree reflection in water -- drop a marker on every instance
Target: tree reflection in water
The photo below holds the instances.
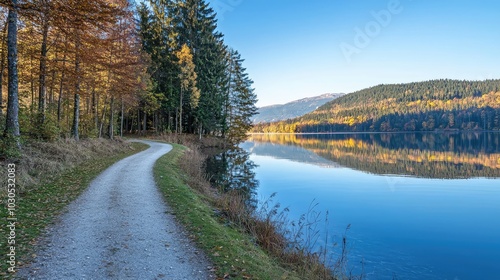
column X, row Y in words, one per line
column 426, row 155
column 232, row 170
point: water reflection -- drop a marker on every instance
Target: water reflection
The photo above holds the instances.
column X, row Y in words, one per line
column 426, row 155
column 415, row 227
column 233, row 170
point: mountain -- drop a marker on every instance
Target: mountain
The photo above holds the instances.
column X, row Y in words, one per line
column 260, row 145
column 293, row 109
column 420, row 106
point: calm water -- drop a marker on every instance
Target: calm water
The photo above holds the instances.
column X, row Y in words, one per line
column 419, row 206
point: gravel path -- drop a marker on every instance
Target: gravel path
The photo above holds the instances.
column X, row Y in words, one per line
column 119, row 228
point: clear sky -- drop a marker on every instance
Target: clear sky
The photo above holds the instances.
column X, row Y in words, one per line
column 295, row 49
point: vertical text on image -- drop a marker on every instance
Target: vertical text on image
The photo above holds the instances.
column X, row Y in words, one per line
column 11, row 217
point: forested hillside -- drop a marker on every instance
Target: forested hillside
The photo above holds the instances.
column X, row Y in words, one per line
column 422, row 106
column 100, row 68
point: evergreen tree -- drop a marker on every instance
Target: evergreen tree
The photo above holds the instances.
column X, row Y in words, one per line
column 183, row 43
column 197, row 28
column 242, row 99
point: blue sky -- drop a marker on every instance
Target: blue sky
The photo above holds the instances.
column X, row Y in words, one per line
column 295, row 49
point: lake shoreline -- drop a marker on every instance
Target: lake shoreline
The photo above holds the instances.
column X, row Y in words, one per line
column 376, row 132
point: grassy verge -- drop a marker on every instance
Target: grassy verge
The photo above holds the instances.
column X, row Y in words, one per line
column 234, row 253
column 39, row 204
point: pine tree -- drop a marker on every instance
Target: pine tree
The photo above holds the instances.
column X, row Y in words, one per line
column 242, row 99
column 198, row 29
column 168, row 30
column 160, row 41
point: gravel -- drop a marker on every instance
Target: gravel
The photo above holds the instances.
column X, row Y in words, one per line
column 119, row 228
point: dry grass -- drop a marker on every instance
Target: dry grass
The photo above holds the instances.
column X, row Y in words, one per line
column 288, row 241
column 39, row 161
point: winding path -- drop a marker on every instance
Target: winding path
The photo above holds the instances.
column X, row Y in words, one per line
column 119, row 228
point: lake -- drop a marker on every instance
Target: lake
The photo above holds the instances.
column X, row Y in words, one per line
column 418, row 206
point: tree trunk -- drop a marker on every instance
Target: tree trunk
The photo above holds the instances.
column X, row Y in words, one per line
column 59, row 100
column 61, row 84
column 180, row 112
column 76, row 109
column 42, row 86
column 76, row 118
column 87, row 105
column 138, row 121
column 101, row 125
column 32, row 86
column 94, row 110
column 176, row 121
column 121, row 119
column 12, row 122
column 2, row 63
column 144, row 118
column 126, row 122
column 111, row 118
column 52, row 86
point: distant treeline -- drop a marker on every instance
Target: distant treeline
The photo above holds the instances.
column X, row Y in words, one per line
column 423, row 106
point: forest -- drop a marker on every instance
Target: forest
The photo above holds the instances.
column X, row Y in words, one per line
column 105, row 68
column 421, row 106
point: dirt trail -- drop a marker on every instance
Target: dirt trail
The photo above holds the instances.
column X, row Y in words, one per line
column 120, row 228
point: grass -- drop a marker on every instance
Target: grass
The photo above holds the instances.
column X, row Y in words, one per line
column 55, row 174
column 244, row 243
column 241, row 244
column 233, row 251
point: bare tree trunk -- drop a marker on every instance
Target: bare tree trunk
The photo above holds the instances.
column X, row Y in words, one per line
column 126, row 122
column 111, row 118
column 180, row 112
column 101, row 125
column 121, row 120
column 76, row 117
column 87, row 105
column 177, row 122
column 155, row 121
column 61, row 84
column 76, row 109
column 42, row 87
column 169, row 121
column 144, row 118
column 59, row 100
column 2, row 63
column 12, row 122
column 94, row 110
column 52, row 86
column 138, row 121
column 32, row 86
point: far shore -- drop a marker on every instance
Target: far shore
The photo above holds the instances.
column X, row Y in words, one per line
column 376, row 132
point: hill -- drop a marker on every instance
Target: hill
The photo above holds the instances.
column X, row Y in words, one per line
column 293, row 109
column 421, row 106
